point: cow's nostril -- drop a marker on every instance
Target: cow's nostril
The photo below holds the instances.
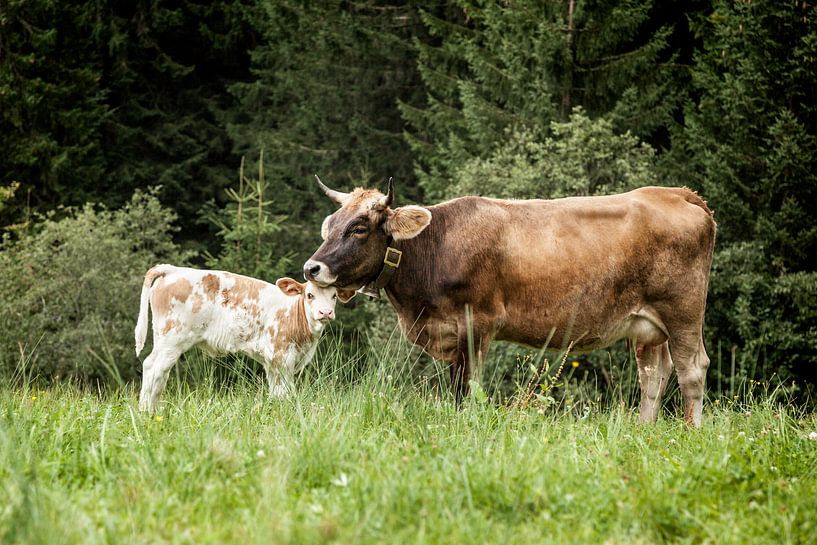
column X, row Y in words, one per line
column 311, row 271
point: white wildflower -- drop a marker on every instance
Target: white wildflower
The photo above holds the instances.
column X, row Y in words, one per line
column 316, row 508
column 342, row 480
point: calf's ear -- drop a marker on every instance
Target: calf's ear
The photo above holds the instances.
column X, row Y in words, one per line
column 345, row 295
column 290, row 286
column 407, row 221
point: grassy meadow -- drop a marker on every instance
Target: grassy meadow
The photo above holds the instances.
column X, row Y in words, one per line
column 384, row 460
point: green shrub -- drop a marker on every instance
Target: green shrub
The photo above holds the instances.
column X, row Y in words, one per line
column 773, row 314
column 582, row 157
column 69, row 292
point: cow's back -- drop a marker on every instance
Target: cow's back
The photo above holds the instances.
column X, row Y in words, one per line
column 576, row 266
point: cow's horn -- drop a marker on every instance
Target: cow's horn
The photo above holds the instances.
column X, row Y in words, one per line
column 336, row 196
column 386, row 200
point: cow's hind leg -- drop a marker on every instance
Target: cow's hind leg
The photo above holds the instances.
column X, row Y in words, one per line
column 654, row 367
column 155, row 372
column 691, row 363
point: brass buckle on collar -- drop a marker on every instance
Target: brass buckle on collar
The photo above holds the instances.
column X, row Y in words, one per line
column 392, row 257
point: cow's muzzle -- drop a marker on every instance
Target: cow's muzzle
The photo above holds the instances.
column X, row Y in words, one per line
column 318, row 273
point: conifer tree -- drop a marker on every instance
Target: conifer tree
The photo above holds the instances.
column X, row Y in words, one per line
column 99, row 98
column 51, row 103
column 168, row 66
column 327, row 77
column 750, row 145
column 526, row 64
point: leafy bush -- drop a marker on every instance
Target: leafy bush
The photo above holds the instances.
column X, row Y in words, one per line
column 774, row 315
column 69, row 292
column 582, row 157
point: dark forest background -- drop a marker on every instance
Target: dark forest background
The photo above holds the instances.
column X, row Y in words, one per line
column 134, row 132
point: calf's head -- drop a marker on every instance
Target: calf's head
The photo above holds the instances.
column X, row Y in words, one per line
column 356, row 236
column 319, row 302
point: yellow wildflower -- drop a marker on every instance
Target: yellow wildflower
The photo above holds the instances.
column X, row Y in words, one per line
column 575, row 364
column 159, row 418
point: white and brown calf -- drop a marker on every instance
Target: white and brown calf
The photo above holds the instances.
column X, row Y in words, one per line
column 277, row 325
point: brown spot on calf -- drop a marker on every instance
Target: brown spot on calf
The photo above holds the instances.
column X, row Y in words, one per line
column 164, row 294
column 169, row 324
column 198, row 300
column 211, row 286
column 292, row 326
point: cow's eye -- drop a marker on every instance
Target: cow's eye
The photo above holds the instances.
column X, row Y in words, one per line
column 360, row 230
column 310, row 296
column 334, row 297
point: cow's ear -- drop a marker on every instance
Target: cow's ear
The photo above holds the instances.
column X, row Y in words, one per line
column 290, row 286
column 325, row 228
column 345, row 295
column 407, row 221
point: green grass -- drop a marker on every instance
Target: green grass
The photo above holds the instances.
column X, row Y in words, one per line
column 380, row 462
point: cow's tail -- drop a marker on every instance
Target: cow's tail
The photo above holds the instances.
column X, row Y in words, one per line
column 692, row 197
column 141, row 330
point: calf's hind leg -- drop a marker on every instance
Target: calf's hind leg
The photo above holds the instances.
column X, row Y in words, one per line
column 155, row 371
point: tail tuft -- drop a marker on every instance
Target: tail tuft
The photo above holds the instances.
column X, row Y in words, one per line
column 692, row 197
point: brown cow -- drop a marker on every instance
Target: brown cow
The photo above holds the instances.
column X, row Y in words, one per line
column 580, row 270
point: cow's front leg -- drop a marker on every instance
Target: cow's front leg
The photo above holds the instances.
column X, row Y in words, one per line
column 472, row 347
column 460, row 370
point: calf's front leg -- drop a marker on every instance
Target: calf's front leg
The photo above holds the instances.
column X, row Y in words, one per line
column 280, row 379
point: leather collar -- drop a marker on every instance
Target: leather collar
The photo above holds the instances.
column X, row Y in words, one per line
column 391, row 262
